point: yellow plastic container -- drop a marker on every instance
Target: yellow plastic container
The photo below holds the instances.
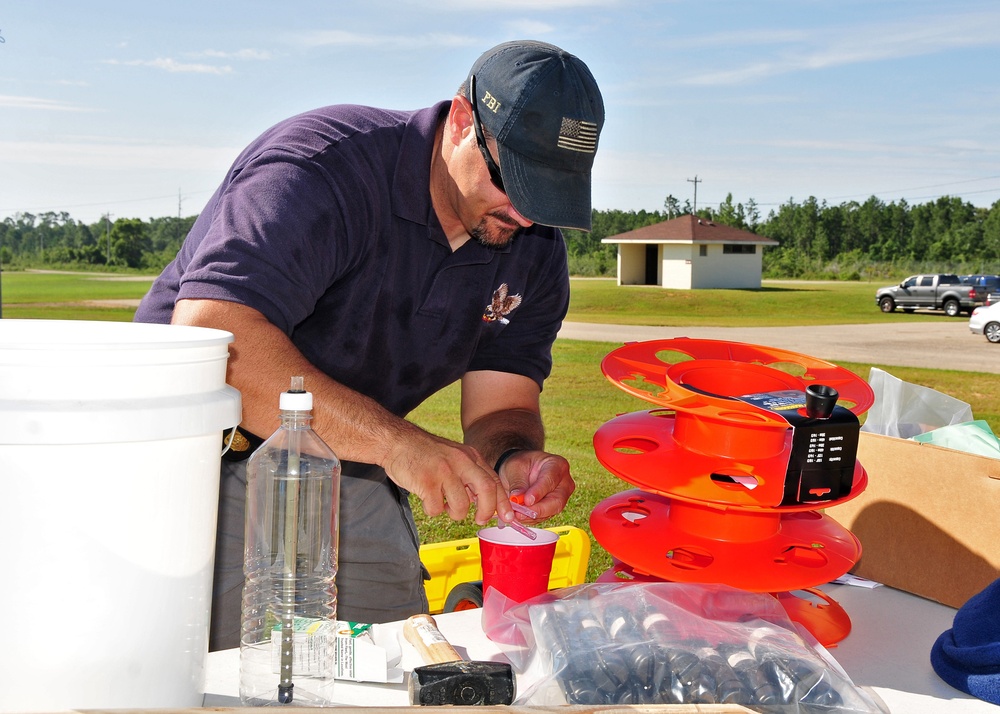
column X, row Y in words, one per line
column 457, row 561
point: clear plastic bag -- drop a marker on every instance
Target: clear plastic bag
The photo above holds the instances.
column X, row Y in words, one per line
column 668, row 643
column 905, row 410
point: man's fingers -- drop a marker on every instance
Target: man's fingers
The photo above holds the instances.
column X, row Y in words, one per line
column 475, row 487
column 549, row 486
column 457, row 497
column 432, row 503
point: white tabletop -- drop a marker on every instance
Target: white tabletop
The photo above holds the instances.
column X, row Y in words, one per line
column 887, row 652
column 889, row 648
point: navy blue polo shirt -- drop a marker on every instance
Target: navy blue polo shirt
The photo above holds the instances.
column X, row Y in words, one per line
column 324, row 224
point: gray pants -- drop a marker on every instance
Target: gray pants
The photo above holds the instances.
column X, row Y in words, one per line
column 379, row 576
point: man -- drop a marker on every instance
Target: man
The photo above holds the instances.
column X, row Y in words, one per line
column 384, row 255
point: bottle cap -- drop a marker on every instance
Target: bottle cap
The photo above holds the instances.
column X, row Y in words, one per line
column 296, row 399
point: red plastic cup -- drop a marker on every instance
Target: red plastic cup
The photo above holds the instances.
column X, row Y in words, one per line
column 515, row 565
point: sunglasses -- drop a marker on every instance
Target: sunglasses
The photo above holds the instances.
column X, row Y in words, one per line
column 495, row 176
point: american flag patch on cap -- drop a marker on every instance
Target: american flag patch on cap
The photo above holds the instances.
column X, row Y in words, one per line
column 578, row 135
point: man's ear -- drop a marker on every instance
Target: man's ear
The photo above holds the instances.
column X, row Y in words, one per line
column 460, row 120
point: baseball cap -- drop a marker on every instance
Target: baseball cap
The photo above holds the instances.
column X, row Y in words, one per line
column 544, row 108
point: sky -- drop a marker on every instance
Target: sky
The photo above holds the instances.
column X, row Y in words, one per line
column 135, row 109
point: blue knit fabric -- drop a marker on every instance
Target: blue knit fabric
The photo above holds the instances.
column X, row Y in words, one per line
column 968, row 655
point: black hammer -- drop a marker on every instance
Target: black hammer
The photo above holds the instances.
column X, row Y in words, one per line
column 449, row 679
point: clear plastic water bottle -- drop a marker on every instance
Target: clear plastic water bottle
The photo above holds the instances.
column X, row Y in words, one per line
column 287, row 645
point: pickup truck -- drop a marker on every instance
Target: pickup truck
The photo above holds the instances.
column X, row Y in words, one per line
column 987, row 286
column 930, row 292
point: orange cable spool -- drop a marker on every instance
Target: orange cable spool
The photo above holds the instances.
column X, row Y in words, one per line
column 644, row 449
column 757, row 551
column 636, row 363
column 748, row 443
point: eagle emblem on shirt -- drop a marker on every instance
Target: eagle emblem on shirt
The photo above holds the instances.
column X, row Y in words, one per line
column 501, row 305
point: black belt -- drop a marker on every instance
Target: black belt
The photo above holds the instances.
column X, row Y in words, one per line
column 241, row 444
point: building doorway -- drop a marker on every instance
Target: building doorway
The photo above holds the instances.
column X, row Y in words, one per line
column 652, row 264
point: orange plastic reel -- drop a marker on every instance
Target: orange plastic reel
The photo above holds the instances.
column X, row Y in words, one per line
column 757, row 550
column 662, row 451
column 704, row 375
column 724, row 433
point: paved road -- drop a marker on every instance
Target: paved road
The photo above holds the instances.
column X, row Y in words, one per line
column 940, row 344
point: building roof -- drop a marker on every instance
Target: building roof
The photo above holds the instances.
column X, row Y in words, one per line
column 689, row 229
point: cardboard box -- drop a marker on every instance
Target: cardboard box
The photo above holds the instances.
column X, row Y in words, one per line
column 929, row 520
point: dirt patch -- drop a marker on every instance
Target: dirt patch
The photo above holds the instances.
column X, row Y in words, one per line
column 107, row 277
column 109, row 303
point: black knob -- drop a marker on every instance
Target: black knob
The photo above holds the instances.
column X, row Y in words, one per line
column 820, row 401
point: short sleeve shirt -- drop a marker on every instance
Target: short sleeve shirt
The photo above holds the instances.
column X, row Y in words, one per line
column 324, row 224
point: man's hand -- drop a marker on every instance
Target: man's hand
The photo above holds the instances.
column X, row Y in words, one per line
column 501, row 411
column 447, row 477
column 541, row 479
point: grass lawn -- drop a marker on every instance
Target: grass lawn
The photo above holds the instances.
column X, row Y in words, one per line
column 72, row 296
column 577, row 398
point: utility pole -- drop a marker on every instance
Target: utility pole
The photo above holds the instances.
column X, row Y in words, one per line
column 107, row 220
column 695, row 181
column 177, row 226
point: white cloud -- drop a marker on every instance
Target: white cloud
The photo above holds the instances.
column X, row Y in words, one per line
column 799, row 50
column 342, row 38
column 244, row 54
column 495, row 6
column 107, row 154
column 739, row 38
column 529, row 28
column 171, row 65
column 12, row 102
column 738, row 75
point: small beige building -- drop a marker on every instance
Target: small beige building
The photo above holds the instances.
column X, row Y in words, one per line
column 689, row 253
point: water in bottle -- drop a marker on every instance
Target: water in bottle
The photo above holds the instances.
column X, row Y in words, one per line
column 288, row 638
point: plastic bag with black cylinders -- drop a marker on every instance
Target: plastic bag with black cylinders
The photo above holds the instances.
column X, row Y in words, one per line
column 668, row 643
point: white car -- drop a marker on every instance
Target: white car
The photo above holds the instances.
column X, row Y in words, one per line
column 985, row 320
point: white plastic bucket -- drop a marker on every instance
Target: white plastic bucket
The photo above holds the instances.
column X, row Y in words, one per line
column 110, row 436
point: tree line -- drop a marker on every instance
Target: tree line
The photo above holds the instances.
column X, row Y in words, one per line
column 848, row 241
column 852, row 240
column 56, row 240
